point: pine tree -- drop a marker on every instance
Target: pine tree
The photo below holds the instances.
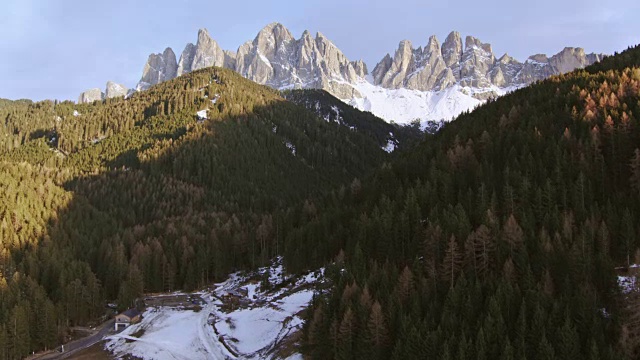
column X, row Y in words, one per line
column 628, row 235
column 635, row 171
column 346, row 334
column 568, row 344
column 512, row 234
column 316, row 336
column 405, row 285
column 378, row 334
column 507, row 352
column 451, row 264
column 19, row 335
column 479, row 249
column 545, row 350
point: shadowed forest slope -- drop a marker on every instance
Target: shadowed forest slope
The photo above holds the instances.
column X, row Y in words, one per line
column 496, row 238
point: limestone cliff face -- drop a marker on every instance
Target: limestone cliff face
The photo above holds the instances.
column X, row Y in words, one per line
column 204, row 54
column 436, row 67
column 276, row 58
column 186, row 59
column 115, row 90
column 91, row 95
column 360, row 68
column 159, row 68
column 572, row 58
column 452, row 49
column 112, row 90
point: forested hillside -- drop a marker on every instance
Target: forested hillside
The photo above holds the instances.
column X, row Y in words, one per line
column 108, row 200
column 496, row 239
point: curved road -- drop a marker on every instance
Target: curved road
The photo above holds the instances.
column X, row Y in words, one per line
column 72, row 347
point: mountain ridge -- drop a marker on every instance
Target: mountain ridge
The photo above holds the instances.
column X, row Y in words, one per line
column 277, row 59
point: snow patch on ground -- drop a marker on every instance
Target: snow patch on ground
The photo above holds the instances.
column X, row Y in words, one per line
column 251, row 330
column 627, row 283
column 392, row 143
column 627, row 280
column 291, row 148
column 338, row 116
column 202, row 114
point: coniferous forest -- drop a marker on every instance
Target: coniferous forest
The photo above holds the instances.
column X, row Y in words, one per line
column 495, row 238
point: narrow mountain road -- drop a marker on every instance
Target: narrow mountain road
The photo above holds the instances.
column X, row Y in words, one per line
column 77, row 345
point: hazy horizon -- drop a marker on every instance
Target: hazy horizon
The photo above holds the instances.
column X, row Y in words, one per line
column 56, row 52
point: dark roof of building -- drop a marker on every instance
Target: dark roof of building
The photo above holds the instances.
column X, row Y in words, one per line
column 131, row 313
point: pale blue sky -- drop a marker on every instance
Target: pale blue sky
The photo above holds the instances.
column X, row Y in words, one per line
column 56, row 49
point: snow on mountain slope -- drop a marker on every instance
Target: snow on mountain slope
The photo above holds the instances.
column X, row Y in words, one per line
column 405, row 105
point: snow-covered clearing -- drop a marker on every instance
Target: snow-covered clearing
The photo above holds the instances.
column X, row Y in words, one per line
column 241, row 318
column 169, row 333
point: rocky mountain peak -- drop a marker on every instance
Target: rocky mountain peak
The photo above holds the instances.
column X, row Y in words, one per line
column 186, row 59
column 159, row 68
column 91, row 95
column 433, row 46
column 539, row 58
column 324, row 44
column 272, row 28
column 203, row 36
column 403, row 61
column 360, row 68
column 474, row 66
column 206, row 52
column 404, row 46
column 381, row 69
column 272, row 36
column 112, row 90
column 115, row 90
column 506, row 59
column 568, row 59
column 476, row 63
column 452, row 48
column 471, row 42
column 277, row 59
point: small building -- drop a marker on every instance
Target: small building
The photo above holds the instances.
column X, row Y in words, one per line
column 127, row 318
